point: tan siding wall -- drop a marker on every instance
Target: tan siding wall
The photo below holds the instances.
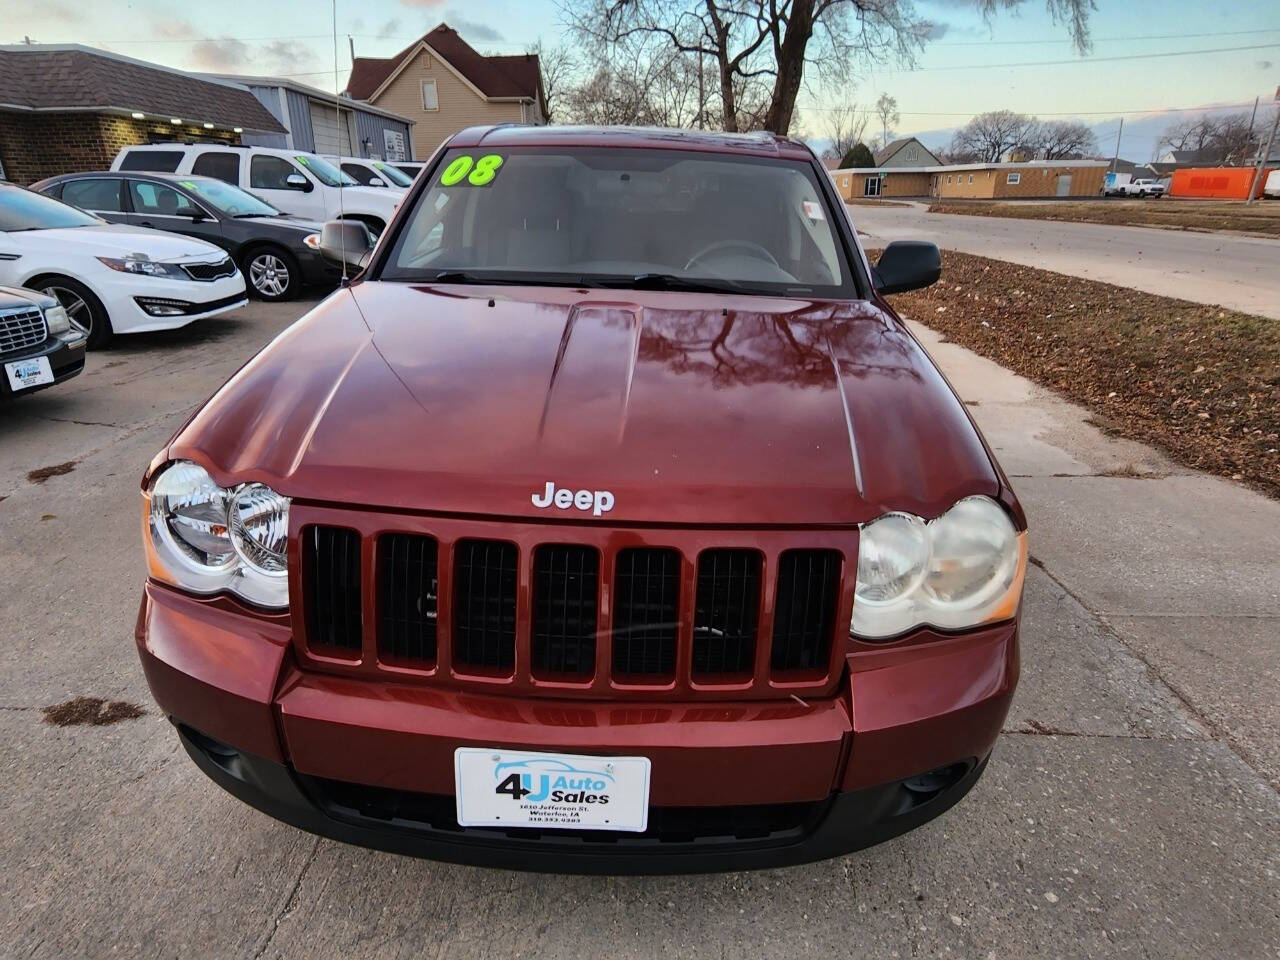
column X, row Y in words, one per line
column 460, row 106
column 1043, row 182
column 905, row 185
column 983, row 186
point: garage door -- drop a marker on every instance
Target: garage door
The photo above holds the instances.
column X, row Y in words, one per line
column 331, row 136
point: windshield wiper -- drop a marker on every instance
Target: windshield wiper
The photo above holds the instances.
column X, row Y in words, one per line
column 669, row 281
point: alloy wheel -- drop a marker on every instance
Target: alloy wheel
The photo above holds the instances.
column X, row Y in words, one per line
column 77, row 310
column 269, row 275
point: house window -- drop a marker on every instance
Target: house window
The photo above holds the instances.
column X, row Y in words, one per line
column 971, row 178
column 948, row 178
column 1013, row 178
column 872, row 187
column 430, row 99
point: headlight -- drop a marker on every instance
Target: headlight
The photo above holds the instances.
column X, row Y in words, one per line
column 206, row 539
column 56, row 320
column 961, row 570
column 145, row 266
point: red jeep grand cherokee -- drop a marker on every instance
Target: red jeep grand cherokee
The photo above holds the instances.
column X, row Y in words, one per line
column 609, row 521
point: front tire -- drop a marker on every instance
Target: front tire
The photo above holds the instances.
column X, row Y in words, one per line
column 271, row 273
column 84, row 309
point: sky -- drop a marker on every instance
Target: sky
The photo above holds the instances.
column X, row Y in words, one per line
column 1225, row 55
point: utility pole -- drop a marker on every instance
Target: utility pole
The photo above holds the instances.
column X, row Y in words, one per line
column 1116, row 155
column 1266, row 152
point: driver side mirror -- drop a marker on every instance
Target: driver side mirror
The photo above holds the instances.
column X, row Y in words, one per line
column 907, row 265
column 296, row 181
column 346, row 242
column 376, row 182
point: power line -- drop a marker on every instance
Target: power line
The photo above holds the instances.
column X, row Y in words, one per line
column 1044, row 113
column 1164, row 36
column 1084, row 60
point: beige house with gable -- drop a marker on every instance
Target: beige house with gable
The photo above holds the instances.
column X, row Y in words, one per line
column 444, row 85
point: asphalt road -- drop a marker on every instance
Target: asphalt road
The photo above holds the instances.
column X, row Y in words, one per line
column 1236, row 271
column 1130, row 808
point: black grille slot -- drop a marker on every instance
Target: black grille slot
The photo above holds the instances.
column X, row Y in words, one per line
column 646, row 612
column 726, row 612
column 565, row 585
column 484, row 610
column 408, row 595
column 210, row 271
column 808, row 594
column 331, row 579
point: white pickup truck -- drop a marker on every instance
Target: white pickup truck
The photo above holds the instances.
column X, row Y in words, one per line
column 1142, row 188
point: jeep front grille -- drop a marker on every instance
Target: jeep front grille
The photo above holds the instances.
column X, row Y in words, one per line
column 512, row 606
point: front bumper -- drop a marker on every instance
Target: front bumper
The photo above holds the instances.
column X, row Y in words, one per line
column 734, row 785
column 66, row 360
column 120, row 294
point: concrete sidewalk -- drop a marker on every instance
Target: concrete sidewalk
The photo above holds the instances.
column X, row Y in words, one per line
column 1184, row 568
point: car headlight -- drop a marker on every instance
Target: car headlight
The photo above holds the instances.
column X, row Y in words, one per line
column 56, row 320
column 961, row 570
column 145, row 266
column 206, row 538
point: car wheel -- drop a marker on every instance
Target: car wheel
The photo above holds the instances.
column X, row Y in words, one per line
column 84, row 309
column 272, row 273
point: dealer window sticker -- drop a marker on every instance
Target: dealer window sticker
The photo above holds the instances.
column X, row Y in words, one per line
column 812, row 210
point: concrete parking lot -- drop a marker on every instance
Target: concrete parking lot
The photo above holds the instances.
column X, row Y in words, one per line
column 1131, row 807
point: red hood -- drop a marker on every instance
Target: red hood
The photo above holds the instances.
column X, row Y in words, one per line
column 687, row 408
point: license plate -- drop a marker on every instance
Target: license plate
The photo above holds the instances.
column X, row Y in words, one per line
column 28, row 373
column 513, row 788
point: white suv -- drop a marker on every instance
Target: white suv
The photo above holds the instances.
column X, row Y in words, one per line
column 294, row 181
column 372, row 173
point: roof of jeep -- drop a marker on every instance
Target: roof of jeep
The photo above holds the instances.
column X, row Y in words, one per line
column 758, row 143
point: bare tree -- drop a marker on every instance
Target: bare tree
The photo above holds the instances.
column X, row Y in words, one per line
column 761, row 49
column 845, row 126
column 887, row 111
column 1223, row 139
column 988, row 136
column 1064, row 140
column 559, row 68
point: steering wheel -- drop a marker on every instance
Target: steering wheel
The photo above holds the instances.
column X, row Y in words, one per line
column 744, row 245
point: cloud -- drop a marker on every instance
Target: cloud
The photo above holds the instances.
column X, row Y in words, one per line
column 389, row 29
column 220, row 56
column 1264, row 64
column 236, row 56
column 173, row 29
column 935, row 30
column 472, row 31
column 423, row 4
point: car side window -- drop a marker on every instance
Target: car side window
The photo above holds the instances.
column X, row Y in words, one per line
column 98, row 195
column 270, row 173
column 358, row 173
column 159, row 161
column 159, row 200
column 219, row 165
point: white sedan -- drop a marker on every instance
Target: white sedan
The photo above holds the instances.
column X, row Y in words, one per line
column 112, row 278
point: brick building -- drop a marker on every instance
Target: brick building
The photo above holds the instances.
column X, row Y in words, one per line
column 1032, row 179
column 66, row 108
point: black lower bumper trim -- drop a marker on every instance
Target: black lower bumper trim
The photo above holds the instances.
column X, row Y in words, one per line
column 420, row 825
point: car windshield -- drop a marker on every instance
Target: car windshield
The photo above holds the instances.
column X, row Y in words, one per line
column 23, row 210
column 324, row 171
column 397, row 178
column 230, row 200
column 676, row 219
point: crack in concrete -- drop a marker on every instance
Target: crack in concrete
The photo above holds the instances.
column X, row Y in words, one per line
column 1034, row 728
column 290, row 902
column 1215, row 730
column 83, row 423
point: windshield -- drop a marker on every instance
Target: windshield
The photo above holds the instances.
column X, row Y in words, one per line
column 23, row 210
column 230, row 200
column 391, row 173
column 601, row 216
column 324, row 171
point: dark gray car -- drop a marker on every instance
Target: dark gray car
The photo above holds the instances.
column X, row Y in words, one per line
column 277, row 253
column 39, row 344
